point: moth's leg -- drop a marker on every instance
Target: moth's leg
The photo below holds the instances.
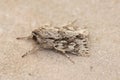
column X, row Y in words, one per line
column 31, row 51
column 71, row 26
column 69, row 57
column 28, row 37
column 72, row 23
column 49, row 25
column 65, row 54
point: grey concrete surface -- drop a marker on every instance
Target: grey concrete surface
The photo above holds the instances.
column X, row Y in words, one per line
column 20, row 17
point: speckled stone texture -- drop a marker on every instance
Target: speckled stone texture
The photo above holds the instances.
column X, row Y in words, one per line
column 20, row 17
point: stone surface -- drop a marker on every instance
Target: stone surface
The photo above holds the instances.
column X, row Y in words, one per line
column 20, row 17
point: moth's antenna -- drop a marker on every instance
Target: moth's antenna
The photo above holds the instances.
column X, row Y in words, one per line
column 28, row 37
column 35, row 48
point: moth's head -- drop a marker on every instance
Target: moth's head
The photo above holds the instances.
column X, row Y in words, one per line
column 35, row 35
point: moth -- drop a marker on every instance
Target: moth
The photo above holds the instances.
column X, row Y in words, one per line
column 68, row 39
